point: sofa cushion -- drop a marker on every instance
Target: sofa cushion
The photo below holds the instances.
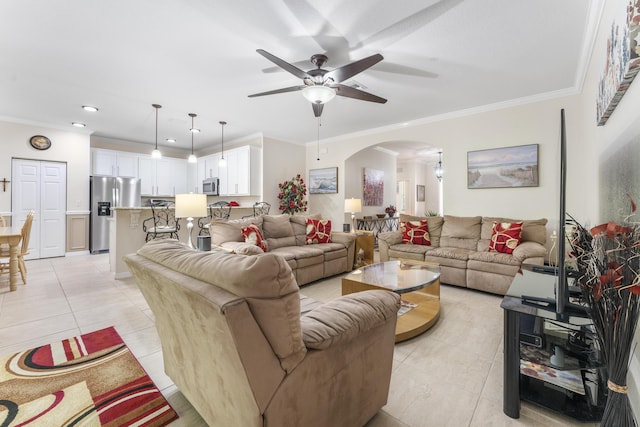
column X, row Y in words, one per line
column 434, row 224
column 415, row 232
column 222, row 230
column 253, row 236
column 276, row 226
column 341, row 320
column 318, row 231
column 299, row 226
column 505, row 237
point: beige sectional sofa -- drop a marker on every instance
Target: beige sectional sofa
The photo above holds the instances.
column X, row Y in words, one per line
column 246, row 349
column 286, row 236
column 460, row 245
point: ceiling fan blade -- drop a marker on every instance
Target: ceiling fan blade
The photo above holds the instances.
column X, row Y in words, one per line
column 351, row 92
column 283, row 90
column 284, row 65
column 347, row 71
column 317, row 109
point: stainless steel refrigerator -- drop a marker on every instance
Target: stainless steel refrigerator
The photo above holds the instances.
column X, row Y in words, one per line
column 108, row 192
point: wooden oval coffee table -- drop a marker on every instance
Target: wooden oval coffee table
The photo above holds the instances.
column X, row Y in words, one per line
column 417, row 282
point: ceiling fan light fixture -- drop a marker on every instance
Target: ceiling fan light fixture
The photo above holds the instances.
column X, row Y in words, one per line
column 318, row 94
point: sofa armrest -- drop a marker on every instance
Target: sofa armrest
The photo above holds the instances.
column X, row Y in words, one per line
column 341, row 320
column 385, row 240
column 347, row 239
column 527, row 250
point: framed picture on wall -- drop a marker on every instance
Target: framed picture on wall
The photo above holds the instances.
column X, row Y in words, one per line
column 323, row 181
column 622, row 61
column 373, row 187
column 420, row 193
column 503, row 167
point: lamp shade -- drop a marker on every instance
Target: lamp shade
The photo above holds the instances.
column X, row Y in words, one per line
column 352, row 205
column 191, row 205
column 318, row 94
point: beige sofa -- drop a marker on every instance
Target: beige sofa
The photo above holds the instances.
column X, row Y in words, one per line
column 460, row 245
column 238, row 345
column 285, row 236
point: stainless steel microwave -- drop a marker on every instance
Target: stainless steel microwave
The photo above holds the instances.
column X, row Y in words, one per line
column 210, row 186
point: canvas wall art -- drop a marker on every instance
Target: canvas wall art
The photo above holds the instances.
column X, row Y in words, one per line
column 503, row 167
column 373, row 187
column 622, row 61
column 323, row 181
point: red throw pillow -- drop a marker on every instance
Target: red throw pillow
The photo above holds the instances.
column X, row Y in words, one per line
column 415, row 232
column 505, row 237
column 318, row 231
column 253, row 235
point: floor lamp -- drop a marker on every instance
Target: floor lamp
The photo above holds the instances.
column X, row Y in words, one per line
column 353, row 205
column 191, row 206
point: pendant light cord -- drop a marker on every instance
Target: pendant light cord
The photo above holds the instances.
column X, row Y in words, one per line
column 222, row 123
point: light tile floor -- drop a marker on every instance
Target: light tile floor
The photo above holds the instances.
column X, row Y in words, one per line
column 449, row 376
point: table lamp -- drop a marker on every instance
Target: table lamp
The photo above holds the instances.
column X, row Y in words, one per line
column 191, row 206
column 353, row 205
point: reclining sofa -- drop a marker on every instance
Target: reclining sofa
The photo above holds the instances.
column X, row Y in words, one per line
column 461, row 246
column 286, row 236
column 246, row 349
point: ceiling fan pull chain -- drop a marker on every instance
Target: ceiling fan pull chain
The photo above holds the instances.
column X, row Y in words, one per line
column 319, row 124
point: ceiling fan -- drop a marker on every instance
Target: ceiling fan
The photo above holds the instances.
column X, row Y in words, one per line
column 320, row 86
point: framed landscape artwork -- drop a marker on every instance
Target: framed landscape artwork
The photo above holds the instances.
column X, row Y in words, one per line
column 622, row 61
column 420, row 193
column 503, row 167
column 323, row 181
column 373, row 187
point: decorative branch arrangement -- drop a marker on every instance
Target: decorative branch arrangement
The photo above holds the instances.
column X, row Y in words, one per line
column 608, row 262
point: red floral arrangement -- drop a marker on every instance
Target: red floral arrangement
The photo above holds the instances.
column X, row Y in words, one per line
column 292, row 195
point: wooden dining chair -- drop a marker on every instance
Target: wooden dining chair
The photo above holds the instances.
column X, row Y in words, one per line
column 22, row 251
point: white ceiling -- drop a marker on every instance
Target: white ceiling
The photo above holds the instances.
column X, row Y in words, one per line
column 200, row 56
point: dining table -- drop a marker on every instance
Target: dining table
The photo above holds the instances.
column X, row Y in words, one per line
column 12, row 236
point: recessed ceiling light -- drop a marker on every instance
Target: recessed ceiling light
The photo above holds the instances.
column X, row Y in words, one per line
column 78, row 124
column 90, row 108
column 171, row 140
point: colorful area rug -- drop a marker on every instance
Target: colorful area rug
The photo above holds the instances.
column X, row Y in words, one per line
column 90, row 380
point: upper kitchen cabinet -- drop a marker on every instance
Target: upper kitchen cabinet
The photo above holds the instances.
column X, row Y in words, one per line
column 114, row 163
column 163, row 177
column 243, row 173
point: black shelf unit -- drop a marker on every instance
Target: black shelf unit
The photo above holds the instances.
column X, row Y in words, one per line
column 532, row 333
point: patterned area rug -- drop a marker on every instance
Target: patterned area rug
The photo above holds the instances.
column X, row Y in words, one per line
column 90, row 380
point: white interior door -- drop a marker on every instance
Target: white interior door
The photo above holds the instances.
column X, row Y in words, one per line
column 41, row 187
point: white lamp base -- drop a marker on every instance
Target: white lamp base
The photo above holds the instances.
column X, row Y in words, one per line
column 190, row 228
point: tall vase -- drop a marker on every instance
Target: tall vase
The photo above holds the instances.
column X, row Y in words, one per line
column 618, row 411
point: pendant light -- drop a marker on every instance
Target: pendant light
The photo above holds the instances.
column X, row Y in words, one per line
column 156, row 154
column 192, row 157
column 438, row 169
column 222, row 163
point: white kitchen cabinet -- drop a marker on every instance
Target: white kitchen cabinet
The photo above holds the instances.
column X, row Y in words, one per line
column 114, row 163
column 162, row 177
column 207, row 168
column 243, row 172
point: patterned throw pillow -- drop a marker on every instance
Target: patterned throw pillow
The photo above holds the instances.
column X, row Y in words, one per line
column 318, row 231
column 415, row 232
column 505, row 237
column 253, row 235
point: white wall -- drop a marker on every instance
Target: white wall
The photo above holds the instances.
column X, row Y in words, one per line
column 66, row 146
column 281, row 161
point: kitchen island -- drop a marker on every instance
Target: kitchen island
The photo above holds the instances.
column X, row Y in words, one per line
column 126, row 235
